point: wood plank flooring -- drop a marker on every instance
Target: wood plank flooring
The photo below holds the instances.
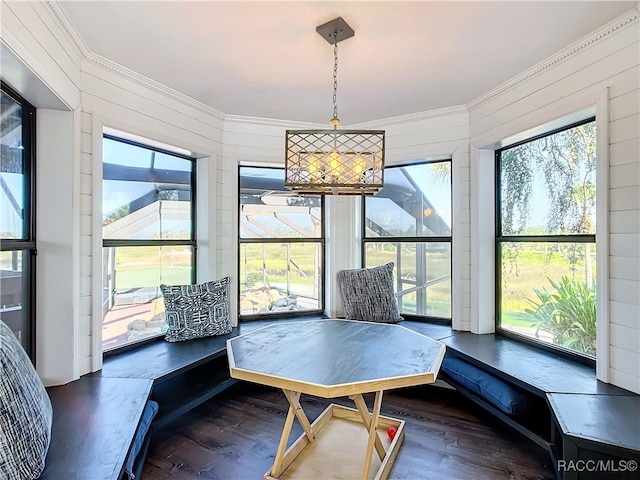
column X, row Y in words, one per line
column 234, row 437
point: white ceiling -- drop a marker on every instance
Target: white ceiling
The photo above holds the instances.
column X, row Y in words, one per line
column 265, row 59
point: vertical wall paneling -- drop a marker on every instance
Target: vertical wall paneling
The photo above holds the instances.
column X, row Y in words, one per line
column 136, row 105
column 430, row 135
column 574, row 81
column 94, row 256
column 206, row 216
column 81, row 305
column 42, row 43
column 57, row 316
column 461, row 241
column 602, row 237
column 482, row 240
column 230, row 263
column 37, row 40
column 342, row 246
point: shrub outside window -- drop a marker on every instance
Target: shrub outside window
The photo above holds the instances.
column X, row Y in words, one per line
column 148, row 234
column 409, row 223
column 281, row 247
column 545, row 239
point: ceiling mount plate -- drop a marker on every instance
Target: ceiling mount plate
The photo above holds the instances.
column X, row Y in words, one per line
column 335, row 31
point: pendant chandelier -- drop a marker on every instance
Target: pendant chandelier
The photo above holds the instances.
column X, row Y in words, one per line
column 335, row 162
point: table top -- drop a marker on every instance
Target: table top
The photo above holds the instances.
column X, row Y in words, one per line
column 333, row 358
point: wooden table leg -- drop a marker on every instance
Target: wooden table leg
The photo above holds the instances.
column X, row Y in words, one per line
column 366, row 419
column 276, row 470
column 295, row 411
column 373, row 434
column 294, row 401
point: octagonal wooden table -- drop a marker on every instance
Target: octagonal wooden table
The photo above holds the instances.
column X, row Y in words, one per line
column 329, row 359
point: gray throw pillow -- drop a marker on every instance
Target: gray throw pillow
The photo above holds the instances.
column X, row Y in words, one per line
column 367, row 294
column 195, row 311
column 25, row 412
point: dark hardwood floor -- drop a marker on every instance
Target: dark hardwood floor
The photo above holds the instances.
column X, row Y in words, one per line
column 234, row 437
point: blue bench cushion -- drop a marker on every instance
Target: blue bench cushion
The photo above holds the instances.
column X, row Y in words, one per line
column 132, row 466
column 508, row 398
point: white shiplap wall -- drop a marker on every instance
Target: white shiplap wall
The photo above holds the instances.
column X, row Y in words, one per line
column 570, row 82
column 117, row 98
column 32, row 31
column 97, row 92
column 437, row 134
column 45, row 69
column 90, row 92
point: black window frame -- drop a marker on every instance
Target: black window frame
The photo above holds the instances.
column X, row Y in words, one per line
column 499, row 239
column 27, row 244
column 321, row 240
column 412, row 239
column 191, row 242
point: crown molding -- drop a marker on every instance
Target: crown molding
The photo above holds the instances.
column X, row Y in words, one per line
column 384, row 122
column 413, row 117
column 147, row 82
column 86, row 54
column 58, row 12
column 575, row 48
column 65, row 22
column 274, row 122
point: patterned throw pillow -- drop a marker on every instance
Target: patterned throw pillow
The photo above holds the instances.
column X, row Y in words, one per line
column 25, row 412
column 367, row 294
column 195, row 311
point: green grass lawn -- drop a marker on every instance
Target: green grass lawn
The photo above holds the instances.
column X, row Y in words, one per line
column 530, row 269
column 152, row 277
column 517, row 319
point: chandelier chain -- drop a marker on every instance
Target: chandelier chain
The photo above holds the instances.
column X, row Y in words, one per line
column 335, row 78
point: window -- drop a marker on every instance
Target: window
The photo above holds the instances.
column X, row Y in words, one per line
column 545, row 239
column 409, row 223
column 148, row 236
column 281, row 243
column 17, row 219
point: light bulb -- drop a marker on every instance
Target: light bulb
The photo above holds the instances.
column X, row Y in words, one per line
column 357, row 167
column 312, row 166
column 334, row 163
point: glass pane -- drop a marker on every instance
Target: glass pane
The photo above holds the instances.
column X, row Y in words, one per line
column 145, row 194
column 13, row 188
column 14, row 291
column 132, row 305
column 415, row 202
column 269, row 210
column 548, row 293
column 548, row 186
column 280, row 277
column 422, row 275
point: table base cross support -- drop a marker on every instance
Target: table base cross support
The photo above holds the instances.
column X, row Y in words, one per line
column 333, row 445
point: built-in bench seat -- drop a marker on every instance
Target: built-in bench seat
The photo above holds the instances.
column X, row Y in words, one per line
column 569, row 412
column 600, row 435
column 96, row 417
column 95, row 421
